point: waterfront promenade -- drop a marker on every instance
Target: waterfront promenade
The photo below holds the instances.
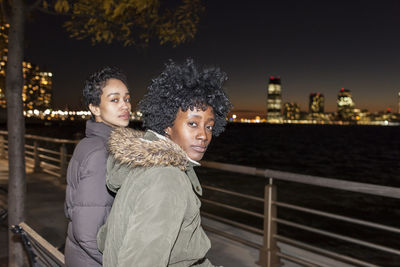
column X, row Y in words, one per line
column 45, row 214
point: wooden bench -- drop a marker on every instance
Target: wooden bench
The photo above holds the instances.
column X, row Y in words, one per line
column 40, row 252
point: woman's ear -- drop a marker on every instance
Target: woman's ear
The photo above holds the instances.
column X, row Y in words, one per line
column 167, row 132
column 94, row 109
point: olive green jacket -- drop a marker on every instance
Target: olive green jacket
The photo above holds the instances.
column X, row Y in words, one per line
column 155, row 218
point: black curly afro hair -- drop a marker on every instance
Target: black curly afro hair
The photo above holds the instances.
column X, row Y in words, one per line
column 183, row 87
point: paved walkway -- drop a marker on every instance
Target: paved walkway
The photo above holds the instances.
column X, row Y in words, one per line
column 44, row 207
column 45, row 214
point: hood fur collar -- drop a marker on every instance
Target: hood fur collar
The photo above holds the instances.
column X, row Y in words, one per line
column 140, row 149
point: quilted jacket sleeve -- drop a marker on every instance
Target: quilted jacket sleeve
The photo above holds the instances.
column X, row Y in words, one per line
column 92, row 203
column 155, row 222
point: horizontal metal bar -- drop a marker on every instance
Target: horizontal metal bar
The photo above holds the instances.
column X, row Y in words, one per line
column 259, row 215
column 321, row 251
column 51, row 172
column 233, row 168
column 337, row 236
column 46, row 165
column 230, row 222
column 48, row 158
column 29, row 164
column 296, row 260
column 29, row 153
column 372, row 189
column 48, row 139
column 29, row 146
column 48, row 151
column 338, row 217
column 379, row 190
column 232, row 237
column 233, row 193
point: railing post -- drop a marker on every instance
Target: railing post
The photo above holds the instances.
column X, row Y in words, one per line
column 2, row 150
column 268, row 253
column 63, row 162
column 36, row 159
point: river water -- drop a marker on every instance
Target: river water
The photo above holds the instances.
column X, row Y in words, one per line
column 359, row 153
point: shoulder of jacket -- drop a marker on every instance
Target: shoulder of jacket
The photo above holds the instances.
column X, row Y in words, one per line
column 167, row 174
column 89, row 149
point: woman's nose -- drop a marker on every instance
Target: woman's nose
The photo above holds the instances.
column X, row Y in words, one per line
column 202, row 133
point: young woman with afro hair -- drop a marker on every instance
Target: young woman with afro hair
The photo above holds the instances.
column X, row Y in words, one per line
column 155, row 219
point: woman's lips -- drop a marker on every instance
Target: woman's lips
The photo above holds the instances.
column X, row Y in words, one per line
column 124, row 116
column 199, row 149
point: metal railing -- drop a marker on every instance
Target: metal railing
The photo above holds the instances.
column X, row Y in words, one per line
column 55, row 160
column 45, row 154
column 270, row 253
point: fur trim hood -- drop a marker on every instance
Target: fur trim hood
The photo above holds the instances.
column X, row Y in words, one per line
column 146, row 149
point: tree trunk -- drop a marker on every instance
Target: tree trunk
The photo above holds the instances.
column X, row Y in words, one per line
column 16, row 131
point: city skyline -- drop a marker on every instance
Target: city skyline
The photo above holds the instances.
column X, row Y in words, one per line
column 312, row 46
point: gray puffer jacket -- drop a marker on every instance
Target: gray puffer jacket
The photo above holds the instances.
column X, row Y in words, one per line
column 87, row 200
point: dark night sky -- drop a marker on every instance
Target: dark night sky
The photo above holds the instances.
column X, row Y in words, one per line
column 314, row 46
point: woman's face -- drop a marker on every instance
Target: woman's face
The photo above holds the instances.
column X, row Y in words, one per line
column 192, row 131
column 115, row 107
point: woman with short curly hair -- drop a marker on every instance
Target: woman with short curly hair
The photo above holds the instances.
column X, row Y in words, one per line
column 155, row 219
column 87, row 200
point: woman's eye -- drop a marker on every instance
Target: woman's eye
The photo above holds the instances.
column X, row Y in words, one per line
column 192, row 124
column 209, row 127
column 114, row 100
column 127, row 100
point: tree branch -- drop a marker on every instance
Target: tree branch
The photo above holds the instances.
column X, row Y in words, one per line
column 35, row 5
column 44, row 10
column 74, row 15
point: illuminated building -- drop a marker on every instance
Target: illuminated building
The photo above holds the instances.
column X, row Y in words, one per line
column 316, row 105
column 3, row 59
column 345, row 105
column 37, row 90
column 274, row 100
column 398, row 103
column 291, row 111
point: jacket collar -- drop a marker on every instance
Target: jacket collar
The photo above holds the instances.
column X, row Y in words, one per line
column 149, row 149
column 98, row 129
column 153, row 136
column 131, row 147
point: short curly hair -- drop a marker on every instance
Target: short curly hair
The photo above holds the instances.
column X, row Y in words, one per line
column 183, row 87
column 95, row 83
